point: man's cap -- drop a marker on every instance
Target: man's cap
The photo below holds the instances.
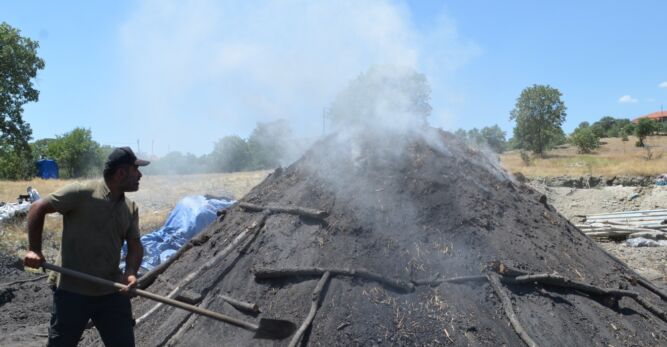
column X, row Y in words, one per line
column 123, row 155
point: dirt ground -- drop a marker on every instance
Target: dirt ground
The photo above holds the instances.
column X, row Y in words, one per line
column 572, row 203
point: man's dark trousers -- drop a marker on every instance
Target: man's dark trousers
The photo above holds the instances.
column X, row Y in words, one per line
column 111, row 314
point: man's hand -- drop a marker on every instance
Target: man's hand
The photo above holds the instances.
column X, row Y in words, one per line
column 33, row 259
column 130, row 280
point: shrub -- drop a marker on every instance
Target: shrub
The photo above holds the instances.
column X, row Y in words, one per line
column 585, row 139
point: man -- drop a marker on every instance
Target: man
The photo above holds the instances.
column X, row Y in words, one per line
column 97, row 219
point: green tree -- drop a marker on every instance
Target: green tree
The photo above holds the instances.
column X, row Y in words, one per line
column 230, row 154
column 618, row 128
column 15, row 165
column 495, row 138
column 387, row 95
column 598, row 129
column 19, row 64
column 585, row 139
column 539, row 114
column 461, row 133
column 475, row 136
column 76, row 153
column 645, row 127
column 176, row 163
column 270, row 144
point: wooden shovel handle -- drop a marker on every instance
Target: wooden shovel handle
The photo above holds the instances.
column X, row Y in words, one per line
column 159, row 298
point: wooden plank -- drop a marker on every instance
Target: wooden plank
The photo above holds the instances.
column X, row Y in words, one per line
column 647, row 212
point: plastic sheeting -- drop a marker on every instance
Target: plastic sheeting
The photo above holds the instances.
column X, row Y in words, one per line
column 7, row 211
column 643, row 242
column 190, row 216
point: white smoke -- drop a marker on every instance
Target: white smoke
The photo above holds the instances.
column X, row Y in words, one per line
column 195, row 71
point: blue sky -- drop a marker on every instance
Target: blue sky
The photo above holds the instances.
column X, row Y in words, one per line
column 179, row 75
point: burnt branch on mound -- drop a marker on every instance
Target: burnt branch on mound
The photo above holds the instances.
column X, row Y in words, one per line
column 295, row 210
column 34, row 279
column 148, row 278
column 434, row 282
column 241, row 305
column 263, row 273
column 253, row 229
column 515, row 276
column 509, row 311
column 648, row 285
column 315, row 304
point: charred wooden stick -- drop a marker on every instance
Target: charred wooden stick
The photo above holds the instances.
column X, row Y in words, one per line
column 560, row 281
column 263, row 273
column 253, row 228
column 148, row 278
column 505, row 270
column 301, row 211
column 34, row 279
column 648, row 285
column 241, row 305
column 509, row 311
column 315, row 304
column 438, row 281
column 651, row 308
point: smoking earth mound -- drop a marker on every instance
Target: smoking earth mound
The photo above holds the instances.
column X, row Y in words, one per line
column 410, row 240
column 25, row 305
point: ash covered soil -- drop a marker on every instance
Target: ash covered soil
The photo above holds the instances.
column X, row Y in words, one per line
column 415, row 211
column 24, row 306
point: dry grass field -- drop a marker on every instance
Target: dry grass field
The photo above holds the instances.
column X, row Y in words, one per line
column 613, row 158
column 156, row 197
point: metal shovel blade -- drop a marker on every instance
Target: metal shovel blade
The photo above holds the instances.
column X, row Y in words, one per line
column 274, row 329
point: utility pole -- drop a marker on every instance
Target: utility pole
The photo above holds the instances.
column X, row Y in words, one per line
column 138, row 147
column 152, row 148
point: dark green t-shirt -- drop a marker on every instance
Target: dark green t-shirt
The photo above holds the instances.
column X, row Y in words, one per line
column 94, row 229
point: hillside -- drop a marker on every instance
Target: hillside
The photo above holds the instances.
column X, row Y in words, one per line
column 613, row 158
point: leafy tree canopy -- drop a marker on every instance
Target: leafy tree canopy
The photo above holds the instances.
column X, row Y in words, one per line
column 77, row 153
column 387, row 96
column 644, row 127
column 494, row 137
column 585, row 140
column 177, row 163
column 609, row 126
column 269, row 144
column 19, row 64
column 230, row 154
column 539, row 113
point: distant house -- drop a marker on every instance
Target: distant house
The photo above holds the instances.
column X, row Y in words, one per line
column 660, row 116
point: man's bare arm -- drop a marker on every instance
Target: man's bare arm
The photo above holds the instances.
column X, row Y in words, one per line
column 135, row 253
column 38, row 211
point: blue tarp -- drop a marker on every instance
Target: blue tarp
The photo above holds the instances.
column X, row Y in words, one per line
column 47, row 168
column 190, row 216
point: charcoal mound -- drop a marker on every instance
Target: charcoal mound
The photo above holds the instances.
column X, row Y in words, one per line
column 25, row 305
column 424, row 242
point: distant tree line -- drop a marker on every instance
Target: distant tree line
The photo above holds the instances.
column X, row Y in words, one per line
column 269, row 146
column 493, row 137
column 539, row 113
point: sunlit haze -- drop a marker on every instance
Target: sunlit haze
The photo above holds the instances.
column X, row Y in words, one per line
column 179, row 75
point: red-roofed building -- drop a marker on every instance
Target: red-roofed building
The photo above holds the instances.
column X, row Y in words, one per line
column 660, row 116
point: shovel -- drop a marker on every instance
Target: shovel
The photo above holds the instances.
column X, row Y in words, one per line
column 266, row 329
